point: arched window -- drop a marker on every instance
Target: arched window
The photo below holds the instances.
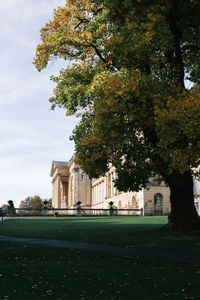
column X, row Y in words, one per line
column 158, row 200
column 158, row 204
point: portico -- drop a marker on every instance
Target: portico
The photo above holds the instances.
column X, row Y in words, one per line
column 69, row 185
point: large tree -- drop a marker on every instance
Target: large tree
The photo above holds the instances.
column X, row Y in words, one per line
column 126, row 67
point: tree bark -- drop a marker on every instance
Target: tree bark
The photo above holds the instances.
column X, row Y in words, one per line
column 183, row 212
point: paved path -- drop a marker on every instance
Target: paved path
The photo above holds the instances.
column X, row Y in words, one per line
column 134, row 252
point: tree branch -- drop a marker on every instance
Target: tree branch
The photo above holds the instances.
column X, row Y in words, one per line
column 81, row 21
column 175, row 58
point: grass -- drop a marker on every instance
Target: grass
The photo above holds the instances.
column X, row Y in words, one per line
column 35, row 272
column 40, row 272
column 148, row 232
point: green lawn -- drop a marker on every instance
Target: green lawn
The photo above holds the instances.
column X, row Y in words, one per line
column 130, row 231
column 37, row 272
column 40, row 272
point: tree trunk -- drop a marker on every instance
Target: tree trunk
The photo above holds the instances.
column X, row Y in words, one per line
column 183, row 212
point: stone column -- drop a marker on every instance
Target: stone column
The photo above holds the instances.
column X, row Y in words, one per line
column 58, row 192
column 102, row 191
column 64, row 194
column 95, row 195
column 93, row 199
column 61, row 194
column 76, row 182
column 99, row 192
column 67, row 194
column 104, row 187
column 92, row 195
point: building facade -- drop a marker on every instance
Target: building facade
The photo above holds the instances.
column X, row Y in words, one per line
column 154, row 200
column 70, row 184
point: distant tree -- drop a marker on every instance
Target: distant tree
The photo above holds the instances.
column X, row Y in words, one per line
column 27, row 204
column 50, row 202
column 22, row 205
column 37, row 205
column 4, row 209
column 32, row 204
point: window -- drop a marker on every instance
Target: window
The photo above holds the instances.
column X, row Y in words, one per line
column 158, row 199
column 197, row 206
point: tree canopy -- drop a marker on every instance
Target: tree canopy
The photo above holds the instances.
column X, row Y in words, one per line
column 127, row 64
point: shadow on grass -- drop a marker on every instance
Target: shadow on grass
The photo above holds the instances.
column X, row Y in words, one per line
column 37, row 272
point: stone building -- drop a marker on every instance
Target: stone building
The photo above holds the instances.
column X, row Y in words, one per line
column 154, row 200
column 70, row 184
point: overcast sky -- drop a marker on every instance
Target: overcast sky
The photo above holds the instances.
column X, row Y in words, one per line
column 31, row 135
